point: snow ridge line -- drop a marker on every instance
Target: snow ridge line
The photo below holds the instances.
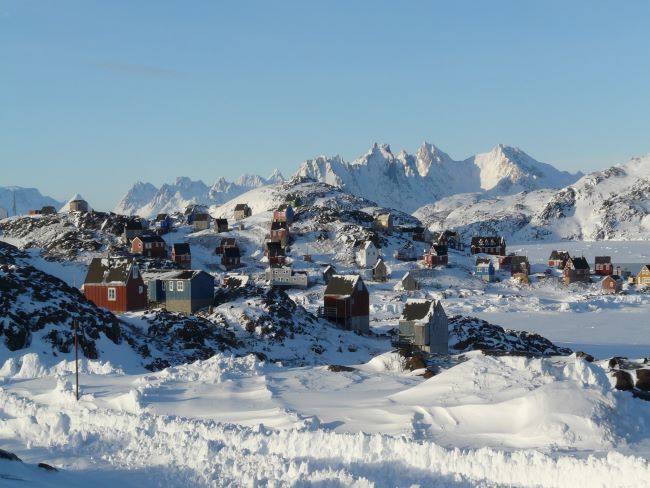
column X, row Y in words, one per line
column 209, row 453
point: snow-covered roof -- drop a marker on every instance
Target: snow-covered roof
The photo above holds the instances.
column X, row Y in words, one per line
column 418, row 309
column 342, row 285
column 109, row 270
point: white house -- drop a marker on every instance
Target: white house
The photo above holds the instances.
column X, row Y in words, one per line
column 286, row 276
column 367, row 255
column 423, row 325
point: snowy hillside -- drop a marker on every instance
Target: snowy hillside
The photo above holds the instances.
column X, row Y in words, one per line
column 604, row 205
column 26, row 199
column 407, row 182
column 145, row 200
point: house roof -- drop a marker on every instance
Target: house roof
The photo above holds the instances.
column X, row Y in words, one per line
column 366, row 245
column 150, row 238
column 241, row 206
column 133, row 225
column 277, row 225
column 380, row 264
column 580, row 263
column 221, row 221
column 559, row 255
column 283, row 206
column 439, row 250
column 109, row 270
column 342, row 285
column 181, row 248
column 516, row 260
column 201, row 217
column 329, row 269
column 603, row 260
column 418, row 309
column 231, row 252
column 407, row 276
column 483, row 261
column 161, row 216
column 488, row 241
column 183, row 274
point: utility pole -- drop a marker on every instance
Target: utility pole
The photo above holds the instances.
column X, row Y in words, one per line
column 13, row 193
column 76, row 356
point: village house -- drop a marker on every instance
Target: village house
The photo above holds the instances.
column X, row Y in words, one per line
column 407, row 283
column 436, row 256
column 242, row 211
column 454, row 240
column 275, row 253
column 380, row 271
column 612, row 284
column 423, row 326
column 558, row 259
column 184, row 291
column 494, row 245
column 576, row 270
column 132, row 229
column 519, row 265
column 220, row 225
column 231, row 257
column 367, row 254
column 115, row 284
column 201, row 221
column 48, row 210
column 383, row 223
column 78, row 205
column 280, row 232
column 150, row 246
column 224, row 243
column 420, row 234
column 162, row 224
column 328, row 272
column 406, row 253
column 347, row 303
column 285, row 276
column 484, row 269
column 643, row 278
column 603, row 265
column 182, row 255
column 284, row 213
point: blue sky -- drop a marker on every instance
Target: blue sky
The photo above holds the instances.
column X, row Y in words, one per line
column 97, row 95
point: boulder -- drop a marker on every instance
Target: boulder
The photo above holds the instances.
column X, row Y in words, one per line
column 414, row 363
column 339, row 368
column 9, row 456
column 623, row 380
column 616, row 362
column 47, row 467
column 587, row 357
column 643, row 379
column 428, row 373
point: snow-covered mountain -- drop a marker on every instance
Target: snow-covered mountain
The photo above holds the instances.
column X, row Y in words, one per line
column 145, row 200
column 604, row 205
column 407, row 182
column 26, row 199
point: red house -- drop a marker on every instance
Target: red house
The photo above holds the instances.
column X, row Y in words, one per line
column 280, row 232
column 231, row 257
column 604, row 266
column 437, row 256
column 181, row 255
column 115, row 284
column 149, row 246
column 558, row 259
column 224, row 243
column 275, row 253
column 347, row 302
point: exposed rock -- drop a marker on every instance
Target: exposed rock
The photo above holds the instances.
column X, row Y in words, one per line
column 623, row 380
column 47, row 467
column 643, row 379
column 9, row 456
column 338, row 368
column 587, row 357
column 415, row 362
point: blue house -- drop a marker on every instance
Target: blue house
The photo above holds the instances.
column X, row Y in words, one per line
column 162, row 224
column 485, row 269
column 184, row 291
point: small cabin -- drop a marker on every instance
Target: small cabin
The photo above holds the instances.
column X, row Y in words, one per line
column 380, row 271
column 150, row 246
column 162, row 224
column 577, row 269
column 48, row 210
column 519, row 265
column 612, row 284
column 200, row 222
column 643, row 278
column 284, row 213
column 493, row 245
column 133, row 228
column 224, row 243
column 182, row 255
column 484, row 269
column 280, row 232
column 285, row 276
column 603, row 265
column 383, row 223
column 406, row 253
column 558, row 259
column 407, row 283
column 346, row 302
column 275, row 253
column 115, row 284
column 78, row 205
column 183, row 291
column 423, row 326
column 220, row 225
column 328, row 272
column 367, row 254
column 242, row 211
column 231, row 257
column 436, row 256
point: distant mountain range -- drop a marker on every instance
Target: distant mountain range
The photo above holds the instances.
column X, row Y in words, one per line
column 407, row 182
column 26, row 199
column 146, row 200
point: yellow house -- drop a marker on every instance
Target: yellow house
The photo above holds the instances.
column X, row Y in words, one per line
column 643, row 278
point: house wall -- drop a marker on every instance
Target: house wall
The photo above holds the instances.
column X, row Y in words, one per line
column 98, row 294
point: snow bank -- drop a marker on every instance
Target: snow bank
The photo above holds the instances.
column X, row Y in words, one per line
column 31, row 365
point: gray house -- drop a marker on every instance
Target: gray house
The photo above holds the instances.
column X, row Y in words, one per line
column 184, row 291
column 423, row 326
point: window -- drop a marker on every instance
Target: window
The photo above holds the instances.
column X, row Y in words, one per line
column 179, row 286
column 140, row 290
column 135, row 272
column 147, row 245
column 164, row 285
column 112, row 294
column 171, row 286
